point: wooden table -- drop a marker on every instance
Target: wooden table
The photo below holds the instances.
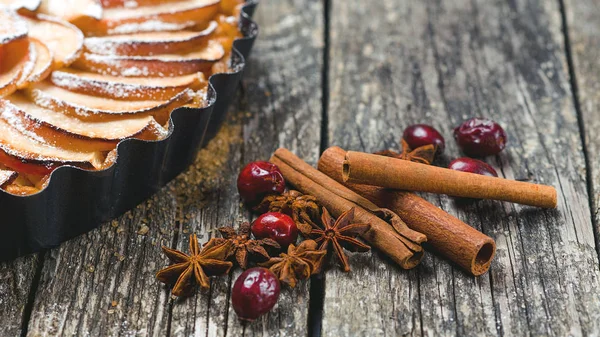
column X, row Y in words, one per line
column 354, row 73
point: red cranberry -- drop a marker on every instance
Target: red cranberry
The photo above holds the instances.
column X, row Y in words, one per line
column 480, row 137
column 277, row 226
column 422, row 134
column 471, row 165
column 254, row 293
column 259, row 179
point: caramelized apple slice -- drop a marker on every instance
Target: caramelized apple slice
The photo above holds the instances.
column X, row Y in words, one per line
column 16, row 60
column 94, row 108
column 153, row 43
column 72, row 133
column 72, row 10
column 62, row 38
column 42, row 67
column 30, row 64
column 35, row 150
column 159, row 65
column 164, row 16
column 131, row 3
column 31, row 5
column 153, row 88
column 11, row 26
column 7, row 177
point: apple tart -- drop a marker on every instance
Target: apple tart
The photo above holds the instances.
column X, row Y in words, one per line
column 78, row 77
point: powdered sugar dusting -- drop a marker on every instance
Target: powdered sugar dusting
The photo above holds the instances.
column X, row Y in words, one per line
column 11, row 26
column 150, row 26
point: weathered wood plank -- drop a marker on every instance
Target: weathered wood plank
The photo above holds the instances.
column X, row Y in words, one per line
column 16, row 281
column 583, row 22
column 102, row 283
column 395, row 63
column 281, row 100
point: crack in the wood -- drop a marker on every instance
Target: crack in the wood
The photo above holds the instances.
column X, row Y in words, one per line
column 28, row 309
column 580, row 121
column 316, row 301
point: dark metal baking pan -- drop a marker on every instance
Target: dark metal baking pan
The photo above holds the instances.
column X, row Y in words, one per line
column 77, row 200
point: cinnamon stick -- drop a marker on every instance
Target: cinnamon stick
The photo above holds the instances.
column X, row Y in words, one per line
column 447, row 235
column 391, row 236
column 370, row 169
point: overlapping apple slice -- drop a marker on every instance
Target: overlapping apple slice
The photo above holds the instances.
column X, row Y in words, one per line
column 163, row 16
column 12, row 27
column 152, row 88
column 62, row 38
column 29, row 153
column 131, row 3
column 16, row 61
column 152, row 43
column 31, row 5
column 41, row 68
column 158, row 65
column 72, row 133
column 92, row 108
column 72, row 10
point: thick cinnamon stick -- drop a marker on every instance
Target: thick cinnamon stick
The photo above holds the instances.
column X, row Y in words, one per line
column 370, row 169
column 396, row 240
column 450, row 237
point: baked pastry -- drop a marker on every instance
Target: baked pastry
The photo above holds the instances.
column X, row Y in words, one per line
column 75, row 80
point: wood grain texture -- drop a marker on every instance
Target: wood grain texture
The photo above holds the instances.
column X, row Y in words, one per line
column 584, row 35
column 441, row 62
column 102, row 283
column 16, row 281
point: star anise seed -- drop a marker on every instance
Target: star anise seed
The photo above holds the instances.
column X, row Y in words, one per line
column 242, row 245
column 298, row 264
column 303, row 208
column 340, row 233
column 187, row 270
column 423, row 154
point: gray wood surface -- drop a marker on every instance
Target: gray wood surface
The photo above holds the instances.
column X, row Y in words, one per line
column 440, row 62
column 16, row 280
column 584, row 47
column 391, row 63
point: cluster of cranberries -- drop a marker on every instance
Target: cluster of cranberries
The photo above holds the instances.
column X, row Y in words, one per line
column 476, row 137
column 256, row 290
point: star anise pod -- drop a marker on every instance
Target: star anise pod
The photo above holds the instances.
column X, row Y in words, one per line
column 187, row 270
column 303, row 208
column 340, row 233
column 423, row 154
column 242, row 245
column 298, row 264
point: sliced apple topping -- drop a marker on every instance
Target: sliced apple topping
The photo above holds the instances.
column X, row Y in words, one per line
column 31, row 148
column 41, row 68
column 29, row 65
column 11, row 26
column 72, row 10
column 95, row 108
column 164, row 16
column 69, row 132
column 152, row 43
column 131, row 3
column 7, row 177
column 16, row 60
column 159, row 65
column 62, row 38
column 31, row 5
column 137, row 88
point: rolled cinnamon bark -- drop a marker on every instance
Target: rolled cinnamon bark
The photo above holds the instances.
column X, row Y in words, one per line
column 395, row 240
column 375, row 170
column 447, row 235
